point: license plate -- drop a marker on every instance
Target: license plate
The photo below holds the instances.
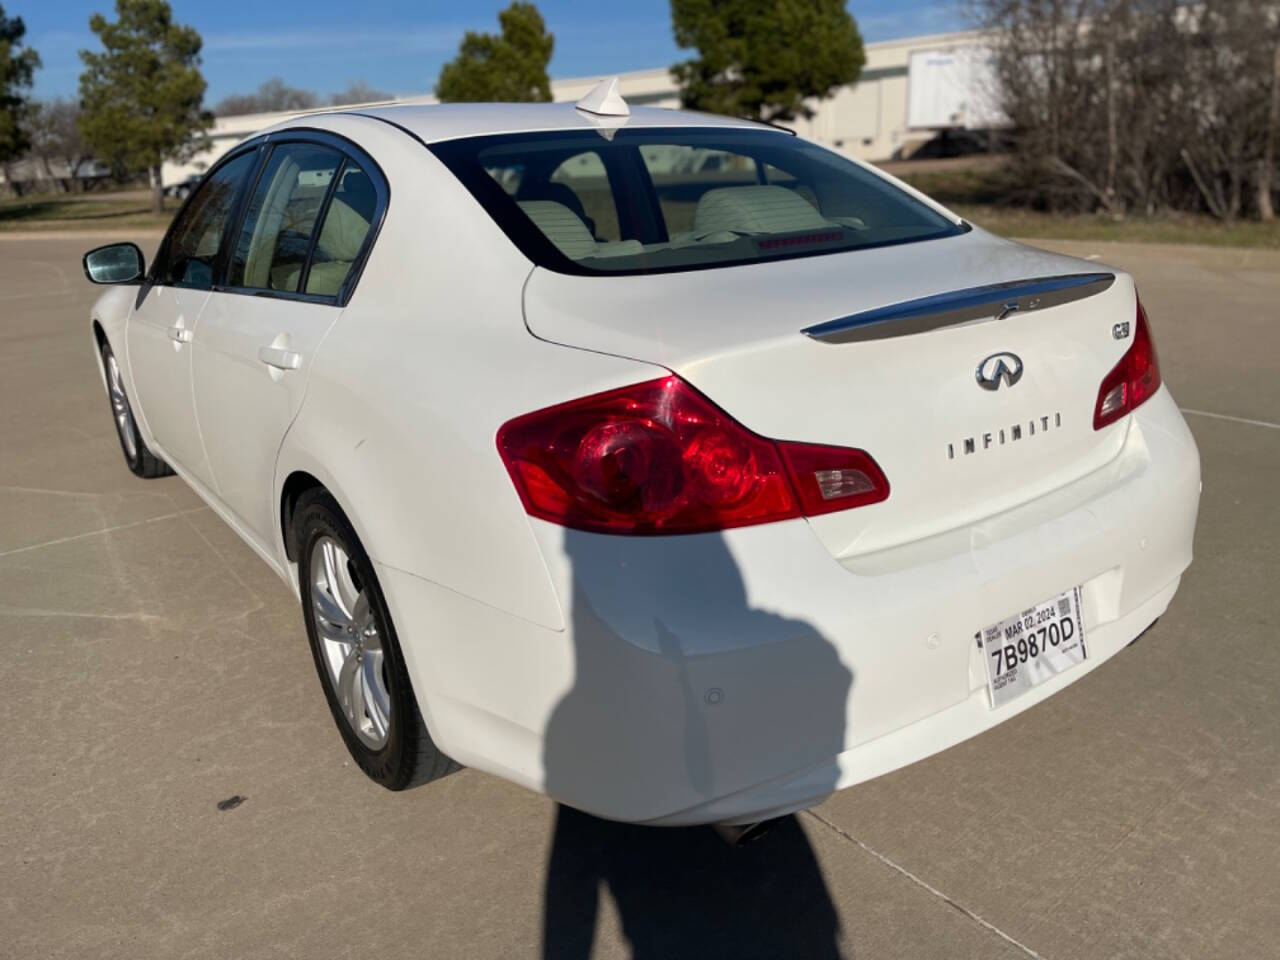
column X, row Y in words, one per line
column 1030, row 647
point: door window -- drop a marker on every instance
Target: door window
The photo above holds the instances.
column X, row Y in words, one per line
column 344, row 231
column 189, row 257
column 271, row 250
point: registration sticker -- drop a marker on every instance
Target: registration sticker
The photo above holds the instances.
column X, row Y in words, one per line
column 1028, row 648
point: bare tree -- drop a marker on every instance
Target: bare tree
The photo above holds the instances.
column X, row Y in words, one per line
column 272, row 96
column 57, row 143
column 1267, row 165
column 359, row 92
column 1140, row 105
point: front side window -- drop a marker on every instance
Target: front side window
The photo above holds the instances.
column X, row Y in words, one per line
column 189, row 257
column 275, row 238
column 654, row 200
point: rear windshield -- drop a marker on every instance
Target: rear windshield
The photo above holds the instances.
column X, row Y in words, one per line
column 655, row 200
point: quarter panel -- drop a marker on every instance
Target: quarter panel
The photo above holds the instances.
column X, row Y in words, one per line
column 429, row 359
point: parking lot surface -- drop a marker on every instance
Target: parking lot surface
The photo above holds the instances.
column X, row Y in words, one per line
column 154, row 668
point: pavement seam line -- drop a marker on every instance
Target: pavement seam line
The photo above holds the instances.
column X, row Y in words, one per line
column 226, row 563
column 1223, row 416
column 927, row 886
column 90, row 533
column 5, row 488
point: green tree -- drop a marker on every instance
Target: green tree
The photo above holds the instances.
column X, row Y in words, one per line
column 142, row 96
column 763, row 58
column 511, row 67
column 17, row 67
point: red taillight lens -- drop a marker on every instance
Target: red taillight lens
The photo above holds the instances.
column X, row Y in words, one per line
column 660, row 458
column 1132, row 381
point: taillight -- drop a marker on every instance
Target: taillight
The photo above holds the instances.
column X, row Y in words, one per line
column 660, row 458
column 1132, row 381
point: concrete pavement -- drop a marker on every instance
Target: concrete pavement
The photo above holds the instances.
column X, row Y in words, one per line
column 155, row 667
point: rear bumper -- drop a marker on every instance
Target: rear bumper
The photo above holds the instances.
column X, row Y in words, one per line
column 732, row 676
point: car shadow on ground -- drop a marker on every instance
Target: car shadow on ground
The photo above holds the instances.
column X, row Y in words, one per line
column 684, row 892
column 683, row 693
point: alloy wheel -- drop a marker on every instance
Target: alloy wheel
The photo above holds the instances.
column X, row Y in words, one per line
column 351, row 646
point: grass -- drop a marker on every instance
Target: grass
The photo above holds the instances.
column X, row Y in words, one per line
column 82, row 212
column 981, row 194
column 1031, row 224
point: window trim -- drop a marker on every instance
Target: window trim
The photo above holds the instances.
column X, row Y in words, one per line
column 262, row 145
column 456, row 153
column 152, row 277
column 349, row 151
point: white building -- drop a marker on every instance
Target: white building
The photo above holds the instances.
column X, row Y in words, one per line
column 909, row 90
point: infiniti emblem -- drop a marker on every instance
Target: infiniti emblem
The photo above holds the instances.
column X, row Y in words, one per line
column 997, row 367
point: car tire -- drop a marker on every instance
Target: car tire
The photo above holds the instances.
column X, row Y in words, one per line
column 141, row 461
column 356, row 652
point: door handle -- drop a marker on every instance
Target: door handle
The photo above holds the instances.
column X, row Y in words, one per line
column 180, row 334
column 280, row 359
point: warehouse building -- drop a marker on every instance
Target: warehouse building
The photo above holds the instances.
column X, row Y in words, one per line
column 910, row 92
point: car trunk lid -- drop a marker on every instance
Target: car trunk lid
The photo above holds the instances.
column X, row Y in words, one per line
column 879, row 369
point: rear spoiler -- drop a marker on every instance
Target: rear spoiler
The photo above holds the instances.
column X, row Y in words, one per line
column 994, row 301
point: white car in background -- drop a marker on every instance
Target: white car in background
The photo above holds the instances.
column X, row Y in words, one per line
column 687, row 493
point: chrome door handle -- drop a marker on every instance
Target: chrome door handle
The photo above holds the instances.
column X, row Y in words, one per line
column 280, row 359
column 180, row 334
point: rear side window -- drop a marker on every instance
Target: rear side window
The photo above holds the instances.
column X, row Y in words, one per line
column 281, row 217
column 189, row 257
column 655, row 200
column 344, row 230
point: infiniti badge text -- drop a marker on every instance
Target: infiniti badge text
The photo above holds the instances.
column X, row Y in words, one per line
column 1003, row 435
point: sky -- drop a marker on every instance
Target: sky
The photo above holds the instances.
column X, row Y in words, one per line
column 399, row 46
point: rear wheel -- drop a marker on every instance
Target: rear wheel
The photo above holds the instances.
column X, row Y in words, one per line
column 356, row 651
column 140, row 459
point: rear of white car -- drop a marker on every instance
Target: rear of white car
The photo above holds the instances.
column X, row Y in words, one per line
column 768, row 665
column 728, row 657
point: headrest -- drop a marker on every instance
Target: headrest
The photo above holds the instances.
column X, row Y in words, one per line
column 756, row 208
column 562, row 226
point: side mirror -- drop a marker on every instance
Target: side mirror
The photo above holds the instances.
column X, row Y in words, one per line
column 114, row 263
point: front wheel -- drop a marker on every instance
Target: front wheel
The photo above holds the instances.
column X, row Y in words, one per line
column 140, row 459
column 356, row 651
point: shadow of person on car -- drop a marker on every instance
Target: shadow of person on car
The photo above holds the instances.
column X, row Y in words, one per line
column 684, row 694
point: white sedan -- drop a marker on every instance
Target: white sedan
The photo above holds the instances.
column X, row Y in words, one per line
column 668, row 464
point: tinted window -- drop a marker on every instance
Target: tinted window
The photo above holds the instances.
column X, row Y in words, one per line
column 271, row 250
column 681, row 199
column 188, row 259
column 582, row 183
column 344, row 231
column 682, row 174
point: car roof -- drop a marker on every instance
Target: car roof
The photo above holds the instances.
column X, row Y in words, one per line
column 433, row 123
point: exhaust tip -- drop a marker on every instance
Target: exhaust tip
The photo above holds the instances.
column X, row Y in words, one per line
column 742, row 834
